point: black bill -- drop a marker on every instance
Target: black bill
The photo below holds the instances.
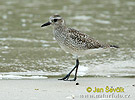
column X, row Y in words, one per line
column 46, row 24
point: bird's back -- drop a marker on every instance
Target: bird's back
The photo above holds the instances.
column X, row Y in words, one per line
column 81, row 41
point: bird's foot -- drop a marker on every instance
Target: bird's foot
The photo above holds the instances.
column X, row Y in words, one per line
column 66, row 78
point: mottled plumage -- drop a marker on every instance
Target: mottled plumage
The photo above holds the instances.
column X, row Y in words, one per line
column 73, row 41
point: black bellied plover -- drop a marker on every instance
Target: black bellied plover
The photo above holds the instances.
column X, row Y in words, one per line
column 74, row 41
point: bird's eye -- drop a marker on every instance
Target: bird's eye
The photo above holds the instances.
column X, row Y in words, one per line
column 55, row 20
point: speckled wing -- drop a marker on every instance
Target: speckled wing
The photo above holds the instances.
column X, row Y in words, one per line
column 81, row 41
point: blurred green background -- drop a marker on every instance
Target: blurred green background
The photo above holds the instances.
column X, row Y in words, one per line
column 26, row 49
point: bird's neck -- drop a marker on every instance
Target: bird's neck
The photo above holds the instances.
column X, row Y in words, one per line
column 56, row 27
column 60, row 28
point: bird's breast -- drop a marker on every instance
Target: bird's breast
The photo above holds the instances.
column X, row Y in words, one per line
column 59, row 35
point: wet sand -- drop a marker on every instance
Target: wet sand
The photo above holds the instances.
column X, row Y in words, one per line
column 53, row 89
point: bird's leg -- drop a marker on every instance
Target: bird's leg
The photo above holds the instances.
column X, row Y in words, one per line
column 75, row 77
column 68, row 75
column 76, row 70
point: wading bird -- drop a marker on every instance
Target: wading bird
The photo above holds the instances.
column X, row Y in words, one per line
column 74, row 42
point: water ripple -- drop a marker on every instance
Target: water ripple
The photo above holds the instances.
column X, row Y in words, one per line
column 102, row 21
column 26, row 40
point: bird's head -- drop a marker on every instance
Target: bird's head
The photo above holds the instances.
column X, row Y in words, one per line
column 54, row 20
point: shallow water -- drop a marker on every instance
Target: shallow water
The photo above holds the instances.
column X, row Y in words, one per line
column 29, row 51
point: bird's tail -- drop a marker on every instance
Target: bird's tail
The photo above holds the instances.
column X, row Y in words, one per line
column 114, row 46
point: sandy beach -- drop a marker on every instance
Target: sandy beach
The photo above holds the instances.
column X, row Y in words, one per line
column 82, row 89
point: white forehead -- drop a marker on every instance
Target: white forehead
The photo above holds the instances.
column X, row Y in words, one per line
column 54, row 18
